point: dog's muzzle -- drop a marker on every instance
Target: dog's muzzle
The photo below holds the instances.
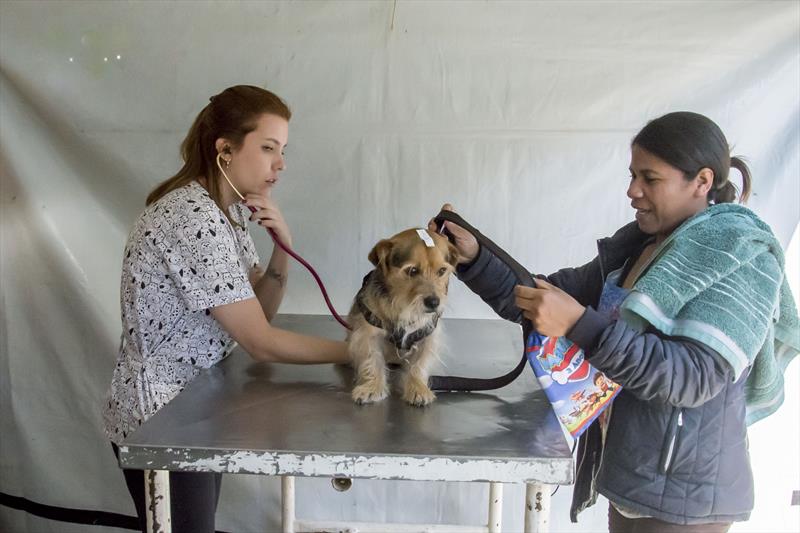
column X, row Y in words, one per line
column 431, row 303
column 401, row 339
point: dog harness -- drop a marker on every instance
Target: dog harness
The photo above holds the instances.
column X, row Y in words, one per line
column 397, row 336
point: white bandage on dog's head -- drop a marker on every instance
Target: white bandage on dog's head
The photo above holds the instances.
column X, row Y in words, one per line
column 426, row 238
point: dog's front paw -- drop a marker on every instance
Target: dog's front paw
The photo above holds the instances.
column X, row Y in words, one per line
column 418, row 394
column 370, row 392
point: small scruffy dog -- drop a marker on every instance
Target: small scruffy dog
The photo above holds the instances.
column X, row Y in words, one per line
column 394, row 315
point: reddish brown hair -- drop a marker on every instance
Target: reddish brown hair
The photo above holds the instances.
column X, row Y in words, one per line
column 231, row 115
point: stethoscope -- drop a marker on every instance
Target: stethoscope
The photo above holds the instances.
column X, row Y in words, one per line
column 283, row 246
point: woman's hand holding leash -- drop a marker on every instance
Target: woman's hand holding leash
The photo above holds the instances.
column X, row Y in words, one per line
column 552, row 311
column 268, row 215
column 463, row 240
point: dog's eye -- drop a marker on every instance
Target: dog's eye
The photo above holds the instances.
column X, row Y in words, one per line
column 442, row 271
column 412, row 271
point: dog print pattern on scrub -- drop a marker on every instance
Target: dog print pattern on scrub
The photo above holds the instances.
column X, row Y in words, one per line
column 182, row 258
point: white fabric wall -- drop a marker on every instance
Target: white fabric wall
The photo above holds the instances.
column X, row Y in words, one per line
column 519, row 113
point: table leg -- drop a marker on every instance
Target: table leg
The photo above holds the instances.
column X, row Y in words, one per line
column 495, row 507
column 537, row 508
column 157, row 503
column 287, row 503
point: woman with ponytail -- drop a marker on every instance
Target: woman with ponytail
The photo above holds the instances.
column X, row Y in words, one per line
column 688, row 309
column 192, row 282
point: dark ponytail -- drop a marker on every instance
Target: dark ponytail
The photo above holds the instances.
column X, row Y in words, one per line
column 747, row 183
column 691, row 142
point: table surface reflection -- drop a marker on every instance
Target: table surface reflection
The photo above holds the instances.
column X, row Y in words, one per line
column 244, row 416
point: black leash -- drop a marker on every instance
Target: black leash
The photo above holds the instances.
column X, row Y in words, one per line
column 457, row 383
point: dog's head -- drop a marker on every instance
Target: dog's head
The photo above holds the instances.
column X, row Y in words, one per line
column 415, row 266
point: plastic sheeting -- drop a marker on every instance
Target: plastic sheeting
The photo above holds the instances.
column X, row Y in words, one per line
column 519, row 113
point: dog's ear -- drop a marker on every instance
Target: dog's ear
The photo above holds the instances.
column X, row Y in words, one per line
column 452, row 254
column 380, row 252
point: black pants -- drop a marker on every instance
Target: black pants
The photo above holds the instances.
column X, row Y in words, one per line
column 619, row 524
column 193, row 499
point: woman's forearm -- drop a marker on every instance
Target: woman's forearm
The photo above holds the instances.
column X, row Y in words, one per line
column 289, row 347
column 272, row 285
column 245, row 322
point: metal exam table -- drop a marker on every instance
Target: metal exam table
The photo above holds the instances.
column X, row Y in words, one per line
column 246, row 417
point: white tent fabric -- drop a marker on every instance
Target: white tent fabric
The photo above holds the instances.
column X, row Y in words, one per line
column 519, row 113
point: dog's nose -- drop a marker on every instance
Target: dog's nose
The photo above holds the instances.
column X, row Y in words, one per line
column 431, row 302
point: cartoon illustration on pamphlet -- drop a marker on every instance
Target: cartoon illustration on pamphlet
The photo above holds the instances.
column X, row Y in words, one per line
column 577, row 391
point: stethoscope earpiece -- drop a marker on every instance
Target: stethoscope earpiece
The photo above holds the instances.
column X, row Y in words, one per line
column 219, row 166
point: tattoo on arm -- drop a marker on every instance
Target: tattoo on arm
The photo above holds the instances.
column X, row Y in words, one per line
column 277, row 276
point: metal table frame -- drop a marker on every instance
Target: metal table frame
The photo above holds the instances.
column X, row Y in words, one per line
column 506, row 436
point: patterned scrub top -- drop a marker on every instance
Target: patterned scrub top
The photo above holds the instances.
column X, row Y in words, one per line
column 182, row 258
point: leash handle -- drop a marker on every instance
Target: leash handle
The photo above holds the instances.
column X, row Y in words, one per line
column 283, row 246
column 458, row 383
column 523, row 276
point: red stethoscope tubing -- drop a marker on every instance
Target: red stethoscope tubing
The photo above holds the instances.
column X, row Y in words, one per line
column 305, row 263
column 288, row 250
